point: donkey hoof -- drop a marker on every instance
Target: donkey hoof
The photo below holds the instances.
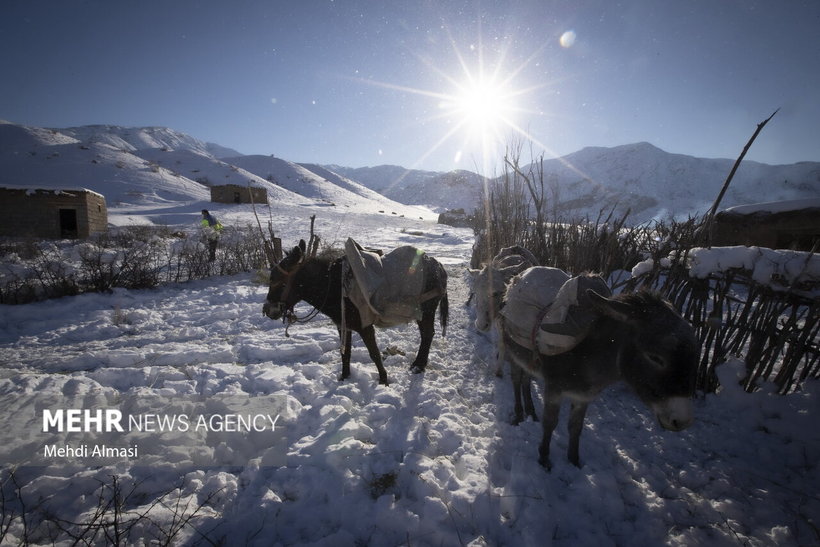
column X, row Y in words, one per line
column 344, row 377
column 545, row 463
column 417, row 369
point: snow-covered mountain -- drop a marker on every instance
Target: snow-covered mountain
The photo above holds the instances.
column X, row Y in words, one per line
column 314, row 182
column 439, row 191
column 160, row 165
column 653, row 183
column 146, row 138
column 156, row 167
column 36, row 157
column 648, row 181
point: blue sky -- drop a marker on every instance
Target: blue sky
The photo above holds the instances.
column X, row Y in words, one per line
column 362, row 83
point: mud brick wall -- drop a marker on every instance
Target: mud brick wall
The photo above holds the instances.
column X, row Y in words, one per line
column 26, row 212
column 233, row 193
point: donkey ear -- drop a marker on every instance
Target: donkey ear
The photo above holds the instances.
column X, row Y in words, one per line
column 297, row 251
column 303, row 245
column 612, row 308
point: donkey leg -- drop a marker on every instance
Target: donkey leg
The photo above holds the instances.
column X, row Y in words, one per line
column 517, row 377
column 522, row 390
column 575, row 425
column 552, row 409
column 346, row 342
column 526, row 393
column 499, row 355
column 427, row 328
column 368, row 335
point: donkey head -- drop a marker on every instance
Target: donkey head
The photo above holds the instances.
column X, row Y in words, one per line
column 660, row 355
column 283, row 293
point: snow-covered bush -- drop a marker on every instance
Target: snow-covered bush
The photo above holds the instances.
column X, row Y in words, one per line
column 135, row 258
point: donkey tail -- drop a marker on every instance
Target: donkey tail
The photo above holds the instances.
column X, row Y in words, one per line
column 444, row 313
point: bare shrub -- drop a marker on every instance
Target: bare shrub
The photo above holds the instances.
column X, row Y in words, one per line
column 136, row 257
column 121, row 512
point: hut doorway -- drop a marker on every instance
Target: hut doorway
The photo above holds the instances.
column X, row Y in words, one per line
column 68, row 224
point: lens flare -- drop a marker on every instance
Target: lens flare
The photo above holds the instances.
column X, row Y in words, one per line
column 567, row 39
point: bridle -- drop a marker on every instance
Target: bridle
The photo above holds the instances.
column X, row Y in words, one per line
column 289, row 317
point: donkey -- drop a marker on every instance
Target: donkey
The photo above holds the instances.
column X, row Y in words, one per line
column 489, row 285
column 318, row 281
column 490, row 282
column 638, row 338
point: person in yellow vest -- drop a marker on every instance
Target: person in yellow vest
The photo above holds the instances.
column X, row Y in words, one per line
column 211, row 228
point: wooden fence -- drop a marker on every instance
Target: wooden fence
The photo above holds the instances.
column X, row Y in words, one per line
column 776, row 332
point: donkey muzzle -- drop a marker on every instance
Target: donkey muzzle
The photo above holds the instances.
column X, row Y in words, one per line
column 482, row 323
column 273, row 310
column 675, row 413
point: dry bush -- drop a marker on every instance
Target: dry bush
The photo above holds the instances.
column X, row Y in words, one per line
column 133, row 258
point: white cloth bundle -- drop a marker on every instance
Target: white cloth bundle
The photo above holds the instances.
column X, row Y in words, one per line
column 545, row 309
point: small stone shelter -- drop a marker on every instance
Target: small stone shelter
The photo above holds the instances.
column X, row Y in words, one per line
column 233, row 193
column 791, row 225
column 455, row 217
column 51, row 213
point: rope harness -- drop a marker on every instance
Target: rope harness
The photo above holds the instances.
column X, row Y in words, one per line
column 289, row 317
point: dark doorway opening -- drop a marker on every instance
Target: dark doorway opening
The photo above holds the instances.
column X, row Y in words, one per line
column 68, row 224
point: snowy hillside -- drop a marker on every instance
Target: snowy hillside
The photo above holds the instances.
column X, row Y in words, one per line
column 383, row 178
column 146, row 173
column 35, row 157
column 162, row 165
column 319, row 184
column 439, row 191
column 137, row 138
column 649, row 181
column 657, row 184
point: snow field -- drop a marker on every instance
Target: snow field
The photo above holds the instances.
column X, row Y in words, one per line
column 428, row 460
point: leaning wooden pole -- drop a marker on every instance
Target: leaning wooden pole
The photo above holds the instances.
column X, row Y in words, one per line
column 713, row 211
column 268, row 247
column 313, row 243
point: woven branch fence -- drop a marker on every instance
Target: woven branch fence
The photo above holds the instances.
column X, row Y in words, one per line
column 775, row 332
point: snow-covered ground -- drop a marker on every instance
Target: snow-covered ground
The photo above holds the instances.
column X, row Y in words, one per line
column 430, row 459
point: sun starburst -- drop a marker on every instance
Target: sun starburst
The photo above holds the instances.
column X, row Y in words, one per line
column 480, row 104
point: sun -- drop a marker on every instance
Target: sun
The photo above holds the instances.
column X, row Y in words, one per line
column 481, row 111
column 480, row 100
column 482, row 105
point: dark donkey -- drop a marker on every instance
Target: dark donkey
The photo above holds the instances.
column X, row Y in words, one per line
column 318, row 281
column 638, row 338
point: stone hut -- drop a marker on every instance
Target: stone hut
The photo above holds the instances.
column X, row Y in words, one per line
column 778, row 225
column 455, row 217
column 51, row 213
column 233, row 193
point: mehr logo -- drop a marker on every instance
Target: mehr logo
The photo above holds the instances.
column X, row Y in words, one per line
column 76, row 420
